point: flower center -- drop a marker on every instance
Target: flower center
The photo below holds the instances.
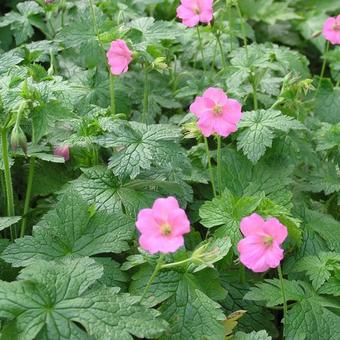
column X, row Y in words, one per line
column 268, row 240
column 166, row 229
column 217, row 110
column 197, row 11
column 336, row 27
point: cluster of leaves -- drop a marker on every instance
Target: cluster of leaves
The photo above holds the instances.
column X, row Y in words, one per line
column 77, row 272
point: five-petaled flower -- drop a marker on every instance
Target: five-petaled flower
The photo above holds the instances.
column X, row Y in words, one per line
column 194, row 11
column 331, row 30
column 216, row 112
column 162, row 227
column 260, row 249
column 119, row 57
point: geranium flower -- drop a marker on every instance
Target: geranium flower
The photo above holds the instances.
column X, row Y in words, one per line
column 162, row 227
column 216, row 112
column 331, row 30
column 194, row 11
column 119, row 57
column 260, row 249
column 62, row 151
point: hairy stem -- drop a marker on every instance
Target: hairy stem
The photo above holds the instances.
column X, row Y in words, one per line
column 211, row 173
column 153, row 275
column 219, row 173
column 323, row 68
column 112, row 95
column 28, row 195
column 145, row 95
column 201, row 48
column 8, row 179
column 283, row 293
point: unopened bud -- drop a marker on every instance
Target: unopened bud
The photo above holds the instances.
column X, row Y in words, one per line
column 62, row 151
column 18, row 138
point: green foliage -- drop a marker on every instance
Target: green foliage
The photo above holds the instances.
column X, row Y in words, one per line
column 260, row 131
column 71, row 229
column 50, row 297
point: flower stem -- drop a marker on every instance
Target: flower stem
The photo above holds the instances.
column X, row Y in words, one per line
column 175, row 264
column 228, row 9
column 212, row 179
column 242, row 27
column 253, row 84
column 323, row 68
column 153, row 275
column 145, row 96
column 283, row 293
column 219, row 174
column 201, row 48
column 112, row 95
column 28, row 195
column 62, row 13
column 8, row 179
column 221, row 50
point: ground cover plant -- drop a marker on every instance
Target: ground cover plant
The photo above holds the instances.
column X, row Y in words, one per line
column 169, row 169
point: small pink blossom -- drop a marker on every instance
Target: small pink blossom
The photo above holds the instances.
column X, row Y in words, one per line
column 194, row 11
column 331, row 30
column 119, row 57
column 162, row 227
column 260, row 249
column 62, row 151
column 216, row 112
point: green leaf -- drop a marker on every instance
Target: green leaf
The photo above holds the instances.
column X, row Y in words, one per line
column 21, row 22
column 99, row 186
column 328, row 137
column 6, row 222
column 72, row 229
column 259, row 335
column 318, row 268
column 260, row 127
column 257, row 317
column 51, row 299
column 9, row 59
column 325, row 177
column 186, row 305
column 227, row 211
column 139, row 145
column 327, row 102
column 309, row 317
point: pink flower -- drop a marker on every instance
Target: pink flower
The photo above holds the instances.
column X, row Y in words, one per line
column 163, row 226
column 194, row 11
column 260, row 249
column 216, row 112
column 119, row 57
column 331, row 30
column 62, row 151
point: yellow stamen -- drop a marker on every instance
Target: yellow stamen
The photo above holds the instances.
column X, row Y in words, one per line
column 166, row 229
column 217, row 110
column 268, row 240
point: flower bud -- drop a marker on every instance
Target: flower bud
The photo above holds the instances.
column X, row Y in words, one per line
column 62, row 151
column 18, row 138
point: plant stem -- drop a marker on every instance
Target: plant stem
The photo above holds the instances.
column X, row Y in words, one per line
column 153, row 275
column 219, row 174
column 323, row 66
column 62, row 13
column 28, row 195
column 8, row 179
column 242, row 27
column 112, row 95
column 201, row 48
column 283, row 293
column 175, row 264
column 145, row 96
column 242, row 274
column 228, row 9
column 221, row 50
column 255, row 103
column 211, row 173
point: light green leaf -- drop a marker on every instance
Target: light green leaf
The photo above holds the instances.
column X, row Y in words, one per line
column 227, row 211
column 318, row 268
column 139, row 145
column 260, row 335
column 260, row 127
column 6, row 222
column 51, row 296
column 72, row 229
